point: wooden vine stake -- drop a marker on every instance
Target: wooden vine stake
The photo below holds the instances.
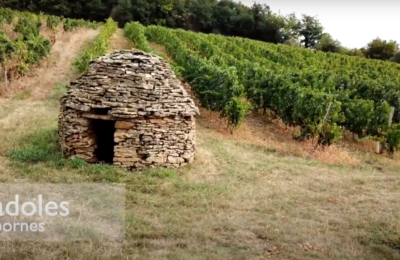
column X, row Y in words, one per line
column 327, row 113
column 5, row 80
column 379, row 145
column 323, row 122
column 5, row 76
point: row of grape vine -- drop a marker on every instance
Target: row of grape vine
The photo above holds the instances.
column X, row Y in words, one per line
column 321, row 93
column 98, row 48
column 217, row 88
column 28, row 47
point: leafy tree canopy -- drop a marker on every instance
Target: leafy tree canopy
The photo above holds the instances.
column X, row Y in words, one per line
column 311, row 30
column 381, row 49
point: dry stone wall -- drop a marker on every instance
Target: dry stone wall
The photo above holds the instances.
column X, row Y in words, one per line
column 76, row 137
column 142, row 142
column 153, row 114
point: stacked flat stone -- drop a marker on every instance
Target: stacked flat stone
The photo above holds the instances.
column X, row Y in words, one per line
column 154, row 115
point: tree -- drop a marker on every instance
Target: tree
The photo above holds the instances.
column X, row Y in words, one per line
column 396, row 57
column 244, row 25
column 201, row 14
column 328, row 44
column 289, row 30
column 224, row 16
column 267, row 25
column 311, row 30
column 381, row 49
column 176, row 16
column 122, row 12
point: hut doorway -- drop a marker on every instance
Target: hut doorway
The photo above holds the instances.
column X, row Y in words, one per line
column 104, row 131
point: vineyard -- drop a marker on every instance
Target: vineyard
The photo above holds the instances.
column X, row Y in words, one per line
column 21, row 43
column 99, row 47
column 323, row 94
column 273, row 188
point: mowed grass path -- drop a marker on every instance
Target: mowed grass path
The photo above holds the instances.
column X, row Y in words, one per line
column 236, row 201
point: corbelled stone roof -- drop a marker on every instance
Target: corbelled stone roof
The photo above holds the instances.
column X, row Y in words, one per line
column 130, row 84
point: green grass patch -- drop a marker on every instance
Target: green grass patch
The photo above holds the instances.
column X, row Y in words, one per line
column 21, row 96
column 58, row 91
column 39, row 154
column 42, row 147
column 388, row 235
column 383, row 239
column 162, row 173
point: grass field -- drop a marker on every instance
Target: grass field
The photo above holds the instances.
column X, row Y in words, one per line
column 255, row 194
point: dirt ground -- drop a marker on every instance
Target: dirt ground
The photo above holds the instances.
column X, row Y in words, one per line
column 119, row 42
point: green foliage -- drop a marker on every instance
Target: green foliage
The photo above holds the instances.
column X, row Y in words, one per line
column 229, row 74
column 53, row 22
column 41, row 146
column 72, row 24
column 328, row 44
column 37, row 47
column 311, row 30
column 68, row 25
column 393, row 138
column 381, row 49
column 396, row 57
column 29, row 47
column 99, row 47
column 235, row 110
column 225, row 16
column 352, row 52
column 217, row 87
column 298, row 85
column 7, row 47
column 6, row 16
column 136, row 32
column 266, row 89
column 28, row 25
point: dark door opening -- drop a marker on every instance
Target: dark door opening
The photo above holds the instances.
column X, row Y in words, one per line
column 104, row 131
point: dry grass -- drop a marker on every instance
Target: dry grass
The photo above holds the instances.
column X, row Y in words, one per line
column 277, row 138
column 160, row 49
column 119, row 42
column 255, row 194
column 236, row 201
column 8, row 29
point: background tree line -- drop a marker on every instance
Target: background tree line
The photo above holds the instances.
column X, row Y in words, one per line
column 225, row 17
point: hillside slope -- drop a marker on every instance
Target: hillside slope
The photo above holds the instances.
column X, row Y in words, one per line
column 253, row 194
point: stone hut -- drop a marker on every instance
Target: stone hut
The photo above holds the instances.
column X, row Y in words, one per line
column 129, row 110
